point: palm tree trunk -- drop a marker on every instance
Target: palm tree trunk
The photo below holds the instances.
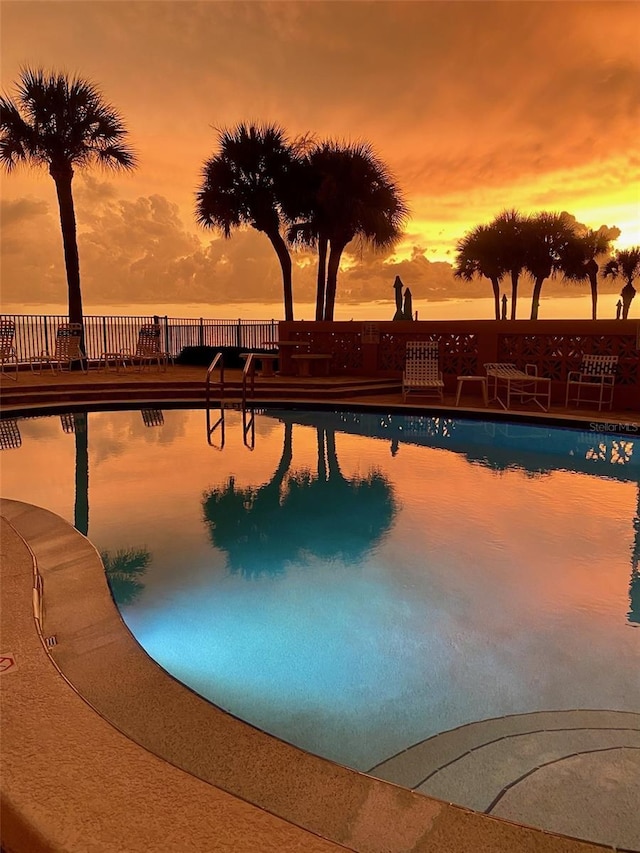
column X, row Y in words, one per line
column 335, row 253
column 322, row 277
column 514, row 292
column 63, row 176
column 285, row 264
column 627, row 293
column 592, row 272
column 535, row 299
column 495, row 284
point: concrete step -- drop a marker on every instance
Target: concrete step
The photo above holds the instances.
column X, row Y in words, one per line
column 56, row 395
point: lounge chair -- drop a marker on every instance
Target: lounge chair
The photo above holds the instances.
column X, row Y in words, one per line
column 593, row 382
column 67, row 350
column 422, row 374
column 8, row 353
column 148, row 349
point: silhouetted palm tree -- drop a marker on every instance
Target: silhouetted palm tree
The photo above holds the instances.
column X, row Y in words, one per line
column 314, row 229
column 62, row 123
column 509, row 225
column 625, row 263
column 579, row 261
column 479, row 253
column 352, row 195
column 547, row 238
column 252, row 181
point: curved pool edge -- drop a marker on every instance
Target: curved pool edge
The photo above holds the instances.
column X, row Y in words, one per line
column 129, row 733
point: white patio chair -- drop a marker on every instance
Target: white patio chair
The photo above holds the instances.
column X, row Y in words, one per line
column 66, row 350
column 8, row 354
column 148, row 349
column 422, row 374
column 593, row 382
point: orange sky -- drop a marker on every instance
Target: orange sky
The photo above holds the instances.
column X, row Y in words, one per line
column 475, row 106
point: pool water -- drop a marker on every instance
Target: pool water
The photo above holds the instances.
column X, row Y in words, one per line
column 354, row 583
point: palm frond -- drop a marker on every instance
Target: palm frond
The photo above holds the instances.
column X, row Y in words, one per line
column 57, row 119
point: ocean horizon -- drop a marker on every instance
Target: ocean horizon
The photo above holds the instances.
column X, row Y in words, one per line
column 570, row 307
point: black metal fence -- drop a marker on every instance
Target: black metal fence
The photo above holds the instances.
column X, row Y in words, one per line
column 36, row 333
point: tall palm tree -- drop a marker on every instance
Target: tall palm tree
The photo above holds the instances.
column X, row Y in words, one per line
column 478, row 253
column 509, row 226
column 548, row 237
column 580, row 260
column 352, row 195
column 313, row 230
column 252, row 181
column 62, row 123
column 625, row 263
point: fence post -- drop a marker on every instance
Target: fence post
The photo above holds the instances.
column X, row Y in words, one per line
column 201, row 333
column 105, row 345
column 165, row 320
column 239, row 333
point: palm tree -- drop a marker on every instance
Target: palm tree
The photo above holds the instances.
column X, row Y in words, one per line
column 62, row 123
column 626, row 263
column 509, row 226
column 579, row 261
column 252, row 181
column 548, row 237
column 478, row 253
column 352, row 195
column 314, row 229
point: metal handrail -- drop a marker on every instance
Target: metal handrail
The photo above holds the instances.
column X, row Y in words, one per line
column 249, row 372
column 217, row 362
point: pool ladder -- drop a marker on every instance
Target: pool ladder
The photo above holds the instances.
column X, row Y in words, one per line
column 248, row 415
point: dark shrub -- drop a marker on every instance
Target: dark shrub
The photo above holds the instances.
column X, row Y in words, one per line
column 203, row 356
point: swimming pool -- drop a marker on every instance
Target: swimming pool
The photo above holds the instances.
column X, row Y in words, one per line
column 356, row 582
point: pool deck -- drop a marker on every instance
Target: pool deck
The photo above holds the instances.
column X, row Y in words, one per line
column 102, row 750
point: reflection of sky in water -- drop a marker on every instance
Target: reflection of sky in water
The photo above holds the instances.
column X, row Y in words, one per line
column 358, row 583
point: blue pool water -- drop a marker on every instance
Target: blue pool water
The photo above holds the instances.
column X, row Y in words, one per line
column 354, row 583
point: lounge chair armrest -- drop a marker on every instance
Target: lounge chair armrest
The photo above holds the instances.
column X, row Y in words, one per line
column 531, row 369
column 574, row 376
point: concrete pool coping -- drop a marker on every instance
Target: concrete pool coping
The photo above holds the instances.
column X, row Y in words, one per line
column 301, row 802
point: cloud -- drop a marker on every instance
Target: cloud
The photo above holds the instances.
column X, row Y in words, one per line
column 474, row 105
column 21, row 209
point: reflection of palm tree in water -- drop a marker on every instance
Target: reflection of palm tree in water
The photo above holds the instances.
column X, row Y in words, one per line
column 634, row 583
column 295, row 514
column 124, row 570
column 81, row 505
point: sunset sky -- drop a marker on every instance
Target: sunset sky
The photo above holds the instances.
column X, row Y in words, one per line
column 474, row 106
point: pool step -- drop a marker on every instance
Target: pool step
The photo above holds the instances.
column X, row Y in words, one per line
column 107, row 393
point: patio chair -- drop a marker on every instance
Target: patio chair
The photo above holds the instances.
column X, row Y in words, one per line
column 593, row 382
column 421, row 369
column 148, row 349
column 8, row 354
column 66, row 350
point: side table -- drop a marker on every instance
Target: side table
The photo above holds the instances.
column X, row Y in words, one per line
column 483, row 382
